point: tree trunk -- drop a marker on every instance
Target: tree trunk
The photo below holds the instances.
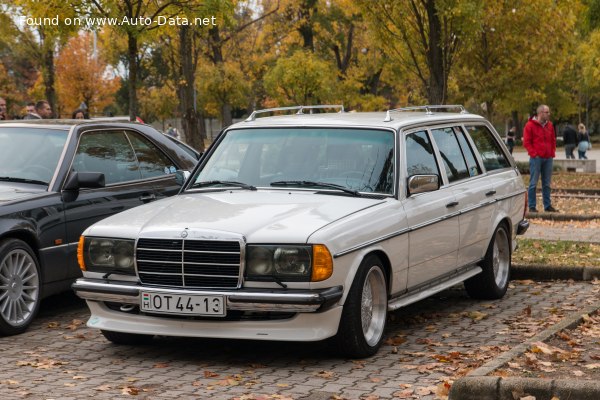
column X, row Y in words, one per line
column 192, row 122
column 306, row 30
column 515, row 120
column 49, row 75
column 436, row 90
column 132, row 49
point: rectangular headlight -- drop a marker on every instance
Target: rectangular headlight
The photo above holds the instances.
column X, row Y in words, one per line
column 108, row 255
column 287, row 263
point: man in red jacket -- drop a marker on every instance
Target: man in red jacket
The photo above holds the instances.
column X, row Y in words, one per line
column 540, row 141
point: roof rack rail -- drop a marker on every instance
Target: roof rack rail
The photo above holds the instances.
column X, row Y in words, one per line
column 428, row 109
column 300, row 109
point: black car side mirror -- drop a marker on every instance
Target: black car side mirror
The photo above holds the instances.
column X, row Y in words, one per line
column 181, row 176
column 84, row 180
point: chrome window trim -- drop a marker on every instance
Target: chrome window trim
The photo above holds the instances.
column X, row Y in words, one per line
column 394, row 132
column 425, row 224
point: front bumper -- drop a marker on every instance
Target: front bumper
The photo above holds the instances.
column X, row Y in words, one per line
column 249, row 299
column 522, row 227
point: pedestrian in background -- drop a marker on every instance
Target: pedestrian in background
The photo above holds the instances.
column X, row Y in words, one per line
column 29, row 109
column 510, row 138
column 570, row 141
column 583, row 137
column 3, row 116
column 42, row 111
column 172, row 131
column 540, row 141
column 79, row 114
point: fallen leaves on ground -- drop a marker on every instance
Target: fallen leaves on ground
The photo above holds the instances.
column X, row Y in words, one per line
column 572, row 353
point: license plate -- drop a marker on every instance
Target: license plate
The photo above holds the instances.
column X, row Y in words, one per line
column 171, row 303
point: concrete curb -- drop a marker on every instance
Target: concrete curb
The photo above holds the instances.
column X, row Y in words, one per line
column 548, row 273
column 562, row 217
column 477, row 385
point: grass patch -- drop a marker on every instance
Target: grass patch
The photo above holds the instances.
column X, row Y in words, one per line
column 547, row 252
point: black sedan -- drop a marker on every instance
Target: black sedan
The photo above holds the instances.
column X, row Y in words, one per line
column 57, row 178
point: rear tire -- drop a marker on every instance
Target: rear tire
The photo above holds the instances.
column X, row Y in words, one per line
column 365, row 312
column 123, row 338
column 20, row 286
column 492, row 282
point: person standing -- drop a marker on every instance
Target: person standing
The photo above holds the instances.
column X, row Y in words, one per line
column 583, row 137
column 570, row 141
column 3, row 116
column 510, row 138
column 42, row 111
column 540, row 142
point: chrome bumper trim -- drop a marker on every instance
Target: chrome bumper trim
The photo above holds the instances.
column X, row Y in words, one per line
column 241, row 299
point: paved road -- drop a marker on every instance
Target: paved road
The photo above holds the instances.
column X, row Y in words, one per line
column 428, row 343
column 594, row 154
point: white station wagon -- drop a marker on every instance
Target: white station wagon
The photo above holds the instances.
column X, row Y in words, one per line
column 311, row 226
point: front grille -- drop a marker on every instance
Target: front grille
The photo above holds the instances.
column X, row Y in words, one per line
column 190, row 263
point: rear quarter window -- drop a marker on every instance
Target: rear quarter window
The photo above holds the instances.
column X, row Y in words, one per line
column 490, row 150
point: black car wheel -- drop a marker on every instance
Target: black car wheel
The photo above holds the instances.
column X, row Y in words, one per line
column 19, row 286
column 365, row 312
column 492, row 282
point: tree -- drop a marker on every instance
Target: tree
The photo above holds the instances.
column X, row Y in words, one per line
column 302, row 79
column 43, row 39
column 517, row 55
column 83, row 76
column 424, row 36
column 129, row 13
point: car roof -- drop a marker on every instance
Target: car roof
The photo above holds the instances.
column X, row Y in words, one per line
column 65, row 123
column 390, row 119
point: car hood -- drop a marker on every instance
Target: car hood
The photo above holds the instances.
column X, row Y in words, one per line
column 10, row 192
column 258, row 216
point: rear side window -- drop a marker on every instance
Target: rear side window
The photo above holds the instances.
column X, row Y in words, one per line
column 450, row 151
column 420, row 159
column 490, row 150
column 467, row 151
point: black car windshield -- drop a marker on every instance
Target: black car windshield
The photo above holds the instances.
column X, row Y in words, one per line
column 355, row 159
column 30, row 154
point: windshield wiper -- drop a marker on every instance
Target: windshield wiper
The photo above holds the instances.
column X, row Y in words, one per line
column 317, row 184
column 22, row 180
column 224, row 183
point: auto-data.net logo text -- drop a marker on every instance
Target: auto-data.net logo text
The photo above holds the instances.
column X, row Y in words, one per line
column 90, row 22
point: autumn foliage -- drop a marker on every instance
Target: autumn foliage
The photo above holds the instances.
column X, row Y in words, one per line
column 83, row 76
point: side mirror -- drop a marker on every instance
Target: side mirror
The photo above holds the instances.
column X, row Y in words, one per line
column 82, row 180
column 423, row 183
column 181, row 176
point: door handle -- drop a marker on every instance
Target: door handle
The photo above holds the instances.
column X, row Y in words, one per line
column 491, row 193
column 147, row 197
column 452, row 204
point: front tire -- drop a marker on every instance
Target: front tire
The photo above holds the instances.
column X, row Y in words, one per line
column 19, row 286
column 365, row 312
column 492, row 282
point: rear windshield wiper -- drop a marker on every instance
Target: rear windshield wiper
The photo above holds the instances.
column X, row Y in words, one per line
column 22, row 180
column 317, row 184
column 223, row 183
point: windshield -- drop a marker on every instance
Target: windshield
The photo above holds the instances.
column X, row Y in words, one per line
column 30, row 153
column 356, row 159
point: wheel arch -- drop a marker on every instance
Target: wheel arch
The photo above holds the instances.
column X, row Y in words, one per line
column 387, row 266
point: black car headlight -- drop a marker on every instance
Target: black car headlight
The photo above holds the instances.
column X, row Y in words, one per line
column 108, row 255
column 287, row 262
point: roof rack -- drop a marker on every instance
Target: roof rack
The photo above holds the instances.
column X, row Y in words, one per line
column 300, row 109
column 428, row 110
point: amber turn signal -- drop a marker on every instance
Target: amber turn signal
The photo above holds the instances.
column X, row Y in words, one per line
column 80, row 253
column 322, row 267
